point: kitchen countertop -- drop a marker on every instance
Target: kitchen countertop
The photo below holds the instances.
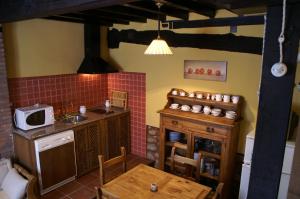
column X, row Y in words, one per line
column 60, row 126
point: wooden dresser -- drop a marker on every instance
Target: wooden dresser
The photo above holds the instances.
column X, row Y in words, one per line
column 214, row 137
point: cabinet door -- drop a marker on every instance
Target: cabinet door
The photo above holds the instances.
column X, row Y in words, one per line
column 117, row 134
column 125, row 132
column 81, row 148
column 87, row 144
column 113, row 137
column 93, row 145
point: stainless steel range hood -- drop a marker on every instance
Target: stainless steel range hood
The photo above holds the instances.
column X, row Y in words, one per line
column 92, row 62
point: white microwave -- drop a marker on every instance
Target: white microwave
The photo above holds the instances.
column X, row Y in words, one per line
column 35, row 116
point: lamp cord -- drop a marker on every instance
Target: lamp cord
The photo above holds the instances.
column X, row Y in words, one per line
column 158, row 18
column 281, row 36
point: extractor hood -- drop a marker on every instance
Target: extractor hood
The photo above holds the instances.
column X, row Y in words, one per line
column 92, row 62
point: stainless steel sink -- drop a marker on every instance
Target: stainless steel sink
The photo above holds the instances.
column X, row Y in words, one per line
column 73, row 119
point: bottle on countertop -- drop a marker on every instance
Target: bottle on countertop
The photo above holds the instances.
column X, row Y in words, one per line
column 107, row 104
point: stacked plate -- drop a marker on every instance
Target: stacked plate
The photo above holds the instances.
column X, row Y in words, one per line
column 174, row 136
column 230, row 115
column 216, row 111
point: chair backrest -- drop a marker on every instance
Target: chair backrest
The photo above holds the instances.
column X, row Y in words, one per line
column 190, row 164
column 104, row 194
column 218, row 193
column 104, row 165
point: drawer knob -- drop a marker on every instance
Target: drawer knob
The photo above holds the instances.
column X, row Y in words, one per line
column 210, row 129
column 174, row 122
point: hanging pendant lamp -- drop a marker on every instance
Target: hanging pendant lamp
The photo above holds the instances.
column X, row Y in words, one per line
column 158, row 46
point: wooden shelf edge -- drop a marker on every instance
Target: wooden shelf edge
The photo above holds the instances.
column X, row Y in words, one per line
column 209, row 154
column 177, row 144
column 229, row 105
column 209, row 176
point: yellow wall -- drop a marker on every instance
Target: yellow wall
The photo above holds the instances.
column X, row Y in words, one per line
column 43, row 47
column 166, row 72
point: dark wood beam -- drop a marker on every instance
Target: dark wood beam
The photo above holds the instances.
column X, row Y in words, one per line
column 191, row 6
column 150, row 6
column 74, row 20
column 229, row 21
column 275, row 102
column 87, row 17
column 26, row 9
column 110, row 15
column 133, row 12
column 228, row 42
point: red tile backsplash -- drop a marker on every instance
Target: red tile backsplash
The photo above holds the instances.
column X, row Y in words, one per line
column 68, row 92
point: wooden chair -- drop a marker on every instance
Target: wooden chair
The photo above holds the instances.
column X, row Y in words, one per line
column 218, row 192
column 190, row 165
column 104, row 194
column 117, row 160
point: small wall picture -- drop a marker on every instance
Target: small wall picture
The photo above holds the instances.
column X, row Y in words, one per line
column 205, row 70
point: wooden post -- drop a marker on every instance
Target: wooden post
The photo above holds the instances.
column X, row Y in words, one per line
column 274, row 104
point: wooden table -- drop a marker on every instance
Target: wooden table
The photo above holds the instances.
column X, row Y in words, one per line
column 135, row 184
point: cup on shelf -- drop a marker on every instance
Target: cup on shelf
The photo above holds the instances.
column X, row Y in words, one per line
column 185, row 108
column 174, row 92
column 191, row 94
column 182, row 93
column 206, row 110
column 218, row 97
column 196, row 108
column 213, row 97
column 216, row 111
column 82, row 110
column 199, row 95
column 235, row 99
column 208, row 96
column 174, row 106
column 226, row 98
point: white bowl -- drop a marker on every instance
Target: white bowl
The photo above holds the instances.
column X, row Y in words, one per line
column 185, row 108
column 174, row 106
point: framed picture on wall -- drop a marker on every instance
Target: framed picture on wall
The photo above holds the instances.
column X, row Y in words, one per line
column 205, row 70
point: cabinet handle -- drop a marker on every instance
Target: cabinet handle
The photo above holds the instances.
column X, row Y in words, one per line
column 174, row 122
column 211, row 130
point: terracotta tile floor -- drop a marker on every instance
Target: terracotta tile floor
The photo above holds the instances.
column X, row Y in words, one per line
column 81, row 188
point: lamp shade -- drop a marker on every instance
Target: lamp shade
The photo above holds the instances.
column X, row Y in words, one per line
column 158, row 47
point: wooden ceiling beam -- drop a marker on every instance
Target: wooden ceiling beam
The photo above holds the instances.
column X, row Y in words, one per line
column 107, row 14
column 192, row 6
column 134, row 12
column 75, row 20
column 24, row 9
column 151, row 7
column 88, row 17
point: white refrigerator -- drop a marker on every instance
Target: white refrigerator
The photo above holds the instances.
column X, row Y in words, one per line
column 286, row 167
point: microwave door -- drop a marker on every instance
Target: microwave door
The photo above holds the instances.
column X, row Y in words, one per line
column 36, row 119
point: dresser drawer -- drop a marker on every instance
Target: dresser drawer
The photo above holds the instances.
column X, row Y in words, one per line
column 206, row 127
column 173, row 123
column 181, row 125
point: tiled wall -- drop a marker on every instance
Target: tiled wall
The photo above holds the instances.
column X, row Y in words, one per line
column 63, row 92
column 5, row 115
column 134, row 84
column 73, row 90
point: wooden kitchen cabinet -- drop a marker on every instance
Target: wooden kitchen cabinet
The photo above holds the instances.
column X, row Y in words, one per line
column 214, row 137
column 117, row 134
column 88, row 146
